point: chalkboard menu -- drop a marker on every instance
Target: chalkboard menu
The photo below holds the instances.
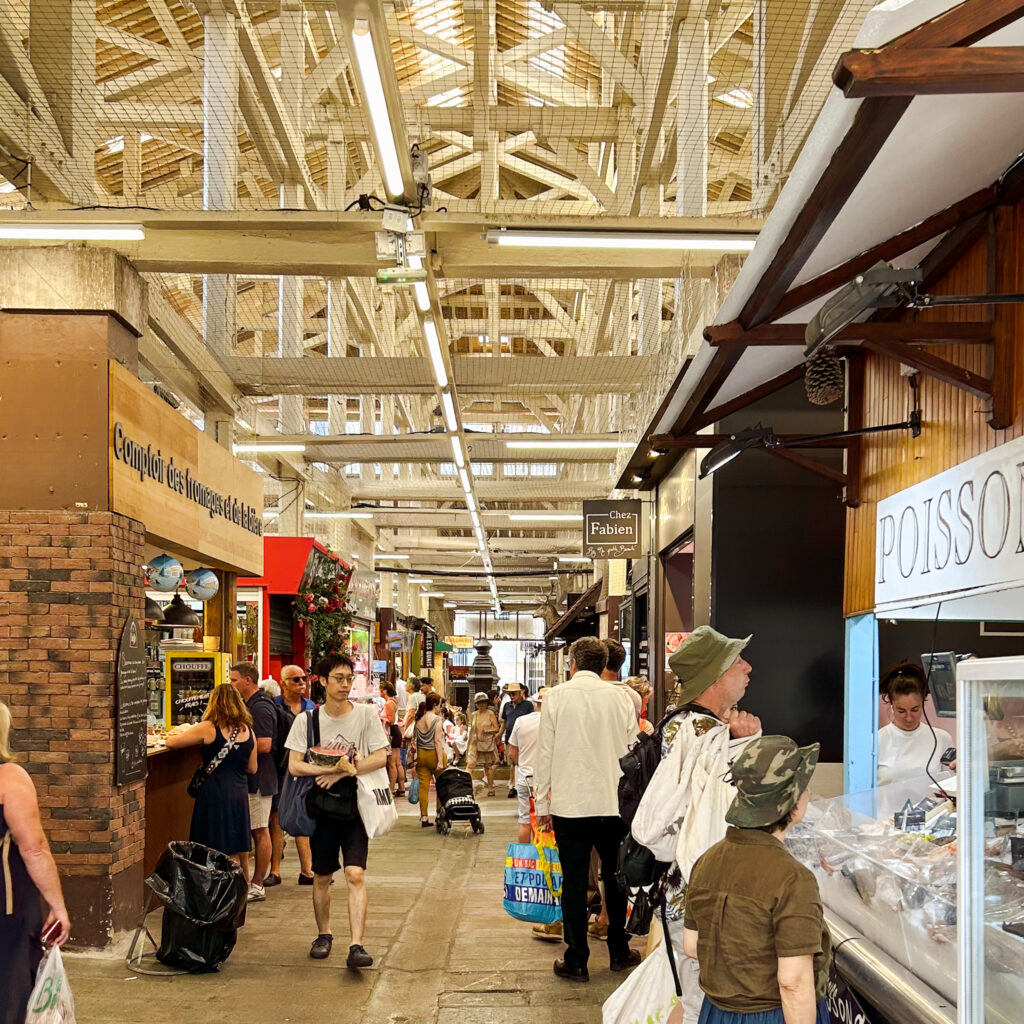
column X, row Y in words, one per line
column 192, row 679
column 132, row 705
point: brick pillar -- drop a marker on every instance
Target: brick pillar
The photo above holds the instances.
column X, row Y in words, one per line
column 68, row 581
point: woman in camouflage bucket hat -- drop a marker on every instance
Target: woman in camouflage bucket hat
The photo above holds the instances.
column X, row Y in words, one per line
column 753, row 913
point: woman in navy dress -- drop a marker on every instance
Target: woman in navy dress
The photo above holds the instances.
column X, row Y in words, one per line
column 220, row 818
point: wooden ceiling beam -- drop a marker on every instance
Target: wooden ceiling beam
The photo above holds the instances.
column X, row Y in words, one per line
column 936, row 72
column 917, row 332
column 933, row 366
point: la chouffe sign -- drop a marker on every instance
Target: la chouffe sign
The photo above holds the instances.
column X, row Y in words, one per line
column 611, row 529
column 959, row 533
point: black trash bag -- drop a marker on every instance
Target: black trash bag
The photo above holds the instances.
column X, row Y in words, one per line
column 203, row 893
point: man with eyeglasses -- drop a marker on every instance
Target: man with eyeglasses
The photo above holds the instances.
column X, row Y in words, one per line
column 354, row 731
column 293, row 701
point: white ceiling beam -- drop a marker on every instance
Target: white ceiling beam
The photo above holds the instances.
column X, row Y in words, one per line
column 542, row 85
column 430, row 42
column 601, row 46
column 535, row 47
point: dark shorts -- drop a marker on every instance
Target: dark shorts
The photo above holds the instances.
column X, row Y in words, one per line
column 395, row 735
column 335, row 843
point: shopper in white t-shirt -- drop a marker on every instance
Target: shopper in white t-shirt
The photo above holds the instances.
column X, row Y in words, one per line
column 522, row 752
column 353, row 729
column 907, row 747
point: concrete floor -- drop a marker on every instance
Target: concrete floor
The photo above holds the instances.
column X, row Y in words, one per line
column 445, row 951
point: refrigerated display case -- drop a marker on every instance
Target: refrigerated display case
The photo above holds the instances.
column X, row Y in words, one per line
column 889, row 862
column 189, row 679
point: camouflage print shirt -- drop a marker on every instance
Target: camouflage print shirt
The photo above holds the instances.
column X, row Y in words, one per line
column 700, row 721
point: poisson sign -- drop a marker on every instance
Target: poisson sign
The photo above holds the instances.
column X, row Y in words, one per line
column 958, row 533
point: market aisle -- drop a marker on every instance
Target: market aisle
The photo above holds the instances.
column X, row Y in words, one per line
column 446, row 952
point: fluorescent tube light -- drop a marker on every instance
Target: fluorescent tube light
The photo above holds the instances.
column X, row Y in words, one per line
column 450, row 604
column 339, row 515
column 661, row 240
column 542, row 517
column 464, row 477
column 433, row 593
column 471, row 503
column 264, row 449
column 419, row 289
column 377, row 104
column 573, row 558
column 73, row 232
column 434, row 350
column 569, row 444
column 460, row 460
column 448, row 407
column 420, row 579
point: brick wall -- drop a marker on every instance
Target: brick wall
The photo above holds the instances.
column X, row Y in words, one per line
column 68, row 581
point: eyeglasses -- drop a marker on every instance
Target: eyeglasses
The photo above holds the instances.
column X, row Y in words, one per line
column 296, row 679
column 339, row 678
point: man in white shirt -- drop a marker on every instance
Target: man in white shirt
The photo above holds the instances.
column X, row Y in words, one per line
column 522, row 752
column 587, row 724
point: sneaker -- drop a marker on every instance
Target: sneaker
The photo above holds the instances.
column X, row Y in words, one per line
column 271, row 880
column 321, row 948
column 548, row 932
column 358, row 957
column 511, row 792
column 256, row 893
column 598, row 931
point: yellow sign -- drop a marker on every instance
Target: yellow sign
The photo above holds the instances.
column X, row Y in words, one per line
column 459, row 643
column 189, row 492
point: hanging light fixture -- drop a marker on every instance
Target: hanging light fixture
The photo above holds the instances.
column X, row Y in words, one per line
column 154, row 613
column 177, row 613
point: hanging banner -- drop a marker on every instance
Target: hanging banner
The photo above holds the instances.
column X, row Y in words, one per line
column 611, row 529
column 428, row 649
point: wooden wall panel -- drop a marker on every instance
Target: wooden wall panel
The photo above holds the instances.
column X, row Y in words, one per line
column 954, row 423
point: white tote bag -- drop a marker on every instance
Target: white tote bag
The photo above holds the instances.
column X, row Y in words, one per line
column 376, row 803
column 647, row 995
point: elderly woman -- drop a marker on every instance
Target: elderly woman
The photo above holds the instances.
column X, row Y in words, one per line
column 28, row 872
column 753, row 913
column 640, row 685
column 483, row 739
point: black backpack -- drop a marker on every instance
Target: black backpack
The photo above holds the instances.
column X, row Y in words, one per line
column 638, row 766
column 283, row 719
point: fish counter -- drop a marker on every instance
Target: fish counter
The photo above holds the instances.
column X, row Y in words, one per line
column 886, row 865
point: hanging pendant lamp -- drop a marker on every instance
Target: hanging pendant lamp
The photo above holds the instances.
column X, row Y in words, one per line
column 177, row 613
column 154, row 613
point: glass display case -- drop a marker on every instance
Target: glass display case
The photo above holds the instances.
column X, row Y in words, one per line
column 990, row 923
column 887, row 866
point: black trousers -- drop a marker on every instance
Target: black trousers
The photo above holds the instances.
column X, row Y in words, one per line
column 576, row 837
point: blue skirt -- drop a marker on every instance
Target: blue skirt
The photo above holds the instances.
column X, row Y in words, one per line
column 711, row 1014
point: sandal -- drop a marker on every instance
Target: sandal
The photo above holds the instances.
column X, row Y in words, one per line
column 490, row 792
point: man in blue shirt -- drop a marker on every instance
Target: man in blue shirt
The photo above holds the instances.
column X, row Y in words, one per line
column 293, row 701
column 516, row 707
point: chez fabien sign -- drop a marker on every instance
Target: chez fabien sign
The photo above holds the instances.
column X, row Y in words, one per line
column 611, row 529
column 959, row 533
column 190, row 493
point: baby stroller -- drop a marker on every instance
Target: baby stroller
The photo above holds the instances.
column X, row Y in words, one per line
column 455, row 801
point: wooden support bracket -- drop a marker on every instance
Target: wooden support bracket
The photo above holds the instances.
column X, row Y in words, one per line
column 812, row 465
column 933, row 366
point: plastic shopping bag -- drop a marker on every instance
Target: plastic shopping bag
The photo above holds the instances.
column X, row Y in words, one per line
column 533, row 880
column 376, row 803
column 413, row 791
column 51, row 1001
column 647, row 996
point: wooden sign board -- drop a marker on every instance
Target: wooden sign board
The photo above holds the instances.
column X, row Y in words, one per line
column 189, row 492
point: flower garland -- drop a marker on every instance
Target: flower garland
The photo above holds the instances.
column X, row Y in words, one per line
column 323, row 610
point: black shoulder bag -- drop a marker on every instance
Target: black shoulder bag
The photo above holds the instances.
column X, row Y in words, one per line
column 204, row 771
column 338, row 803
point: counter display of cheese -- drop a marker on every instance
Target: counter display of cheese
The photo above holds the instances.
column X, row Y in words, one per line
column 897, row 888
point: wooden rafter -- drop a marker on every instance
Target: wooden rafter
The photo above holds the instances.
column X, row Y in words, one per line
column 937, row 72
column 918, row 332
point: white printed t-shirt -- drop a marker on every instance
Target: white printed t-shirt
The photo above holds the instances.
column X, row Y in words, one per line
column 526, row 738
column 359, row 730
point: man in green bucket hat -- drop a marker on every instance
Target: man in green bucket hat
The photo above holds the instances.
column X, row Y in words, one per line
column 682, row 812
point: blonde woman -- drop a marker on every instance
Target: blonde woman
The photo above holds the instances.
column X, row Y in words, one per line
column 220, row 818
column 640, row 685
column 28, row 872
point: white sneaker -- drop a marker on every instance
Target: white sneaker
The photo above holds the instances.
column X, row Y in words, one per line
column 256, row 893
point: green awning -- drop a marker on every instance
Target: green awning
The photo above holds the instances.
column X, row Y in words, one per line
column 440, row 645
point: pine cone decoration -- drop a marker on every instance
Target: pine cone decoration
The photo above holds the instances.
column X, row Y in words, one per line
column 823, row 377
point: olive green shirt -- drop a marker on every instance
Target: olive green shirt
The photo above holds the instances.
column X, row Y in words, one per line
column 751, row 903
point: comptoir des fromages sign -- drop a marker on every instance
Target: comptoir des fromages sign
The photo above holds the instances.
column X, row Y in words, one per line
column 151, row 464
